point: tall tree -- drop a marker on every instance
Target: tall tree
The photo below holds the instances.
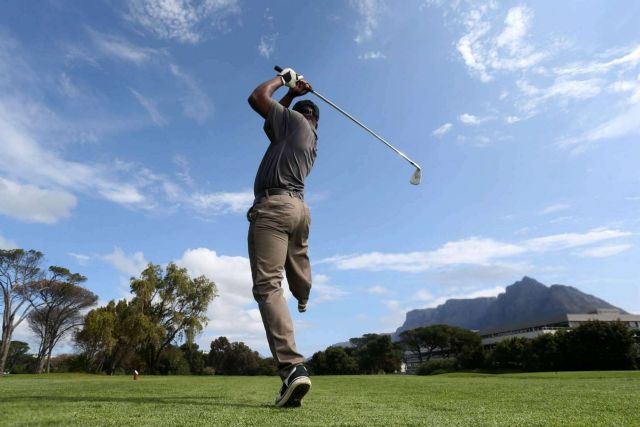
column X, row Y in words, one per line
column 173, row 304
column 18, row 269
column 59, row 312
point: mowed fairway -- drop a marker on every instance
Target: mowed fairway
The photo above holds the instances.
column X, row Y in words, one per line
column 583, row 398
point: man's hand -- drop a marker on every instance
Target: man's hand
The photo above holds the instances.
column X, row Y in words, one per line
column 290, row 78
column 301, row 88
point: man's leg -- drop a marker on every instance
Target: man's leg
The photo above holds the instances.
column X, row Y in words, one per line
column 297, row 265
column 268, row 244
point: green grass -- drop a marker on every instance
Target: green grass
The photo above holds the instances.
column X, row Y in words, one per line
column 544, row 399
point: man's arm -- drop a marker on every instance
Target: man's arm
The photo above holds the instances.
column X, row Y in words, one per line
column 261, row 97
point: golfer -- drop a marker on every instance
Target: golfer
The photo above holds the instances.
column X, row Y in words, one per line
column 279, row 223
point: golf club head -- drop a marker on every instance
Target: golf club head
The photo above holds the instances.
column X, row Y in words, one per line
column 416, row 177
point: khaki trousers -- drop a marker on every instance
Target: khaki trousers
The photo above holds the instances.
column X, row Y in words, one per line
column 278, row 240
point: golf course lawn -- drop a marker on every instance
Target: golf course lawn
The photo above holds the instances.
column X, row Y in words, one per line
column 538, row 399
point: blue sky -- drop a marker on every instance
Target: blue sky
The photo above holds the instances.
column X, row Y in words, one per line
column 126, row 138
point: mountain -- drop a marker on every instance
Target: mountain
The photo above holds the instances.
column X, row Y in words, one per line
column 524, row 301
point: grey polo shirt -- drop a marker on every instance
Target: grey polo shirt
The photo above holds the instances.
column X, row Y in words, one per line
column 290, row 156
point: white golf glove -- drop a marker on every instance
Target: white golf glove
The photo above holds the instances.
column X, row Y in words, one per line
column 289, row 77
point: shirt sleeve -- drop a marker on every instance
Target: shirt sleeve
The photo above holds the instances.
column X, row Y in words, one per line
column 279, row 122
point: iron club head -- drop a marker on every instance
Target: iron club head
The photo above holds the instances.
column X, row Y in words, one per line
column 416, row 177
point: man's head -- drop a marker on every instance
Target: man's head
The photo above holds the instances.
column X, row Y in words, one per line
column 309, row 110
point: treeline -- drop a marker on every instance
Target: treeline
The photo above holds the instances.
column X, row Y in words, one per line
column 369, row 354
column 594, row 345
column 152, row 331
column 223, row 358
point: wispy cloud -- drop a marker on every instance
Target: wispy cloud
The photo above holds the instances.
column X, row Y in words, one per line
column 470, row 251
column 119, row 48
column 7, row 244
column 234, row 312
column 486, row 53
column 221, row 202
column 554, row 208
column 442, row 130
column 150, row 106
column 33, row 204
column 470, row 119
column 267, row 45
column 324, row 291
column 605, row 251
column 186, row 21
column 377, row 290
column 130, row 264
column 373, row 55
column 197, row 104
column 629, row 59
column 369, row 12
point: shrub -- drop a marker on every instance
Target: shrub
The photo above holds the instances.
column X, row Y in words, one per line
column 436, row 366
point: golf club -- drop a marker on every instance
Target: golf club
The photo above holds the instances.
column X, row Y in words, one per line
column 417, row 175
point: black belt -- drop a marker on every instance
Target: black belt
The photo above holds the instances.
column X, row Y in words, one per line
column 277, row 192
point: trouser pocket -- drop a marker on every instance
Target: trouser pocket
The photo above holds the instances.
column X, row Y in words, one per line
column 251, row 214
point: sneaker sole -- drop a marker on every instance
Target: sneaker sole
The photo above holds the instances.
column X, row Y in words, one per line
column 296, row 392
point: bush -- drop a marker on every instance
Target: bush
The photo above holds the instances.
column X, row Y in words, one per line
column 436, row 366
column 208, row 370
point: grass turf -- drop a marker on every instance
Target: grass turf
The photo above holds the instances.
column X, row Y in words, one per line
column 567, row 398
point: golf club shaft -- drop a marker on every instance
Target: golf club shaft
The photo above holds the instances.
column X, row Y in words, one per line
column 356, row 121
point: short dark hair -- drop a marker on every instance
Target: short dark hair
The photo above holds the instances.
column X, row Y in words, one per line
column 304, row 103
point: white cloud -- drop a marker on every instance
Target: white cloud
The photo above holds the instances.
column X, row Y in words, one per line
column 7, row 244
column 187, row 21
column 470, row 119
column 554, row 208
column 512, row 119
column 267, row 45
column 234, row 313
column 369, row 12
column 373, row 55
column 131, row 264
column 605, row 251
column 151, row 108
column 442, row 130
column 197, row 104
column 34, row 204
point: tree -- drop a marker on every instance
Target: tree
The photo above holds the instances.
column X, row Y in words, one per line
column 61, row 300
column 18, row 268
column 234, row 358
column 110, row 337
column 597, row 345
column 18, row 359
column 510, row 353
column 412, row 341
column 333, row 361
column 171, row 306
column 376, row 353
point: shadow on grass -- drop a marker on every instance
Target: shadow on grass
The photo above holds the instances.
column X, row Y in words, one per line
column 203, row 401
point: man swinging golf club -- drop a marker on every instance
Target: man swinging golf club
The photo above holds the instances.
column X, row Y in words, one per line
column 279, row 223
